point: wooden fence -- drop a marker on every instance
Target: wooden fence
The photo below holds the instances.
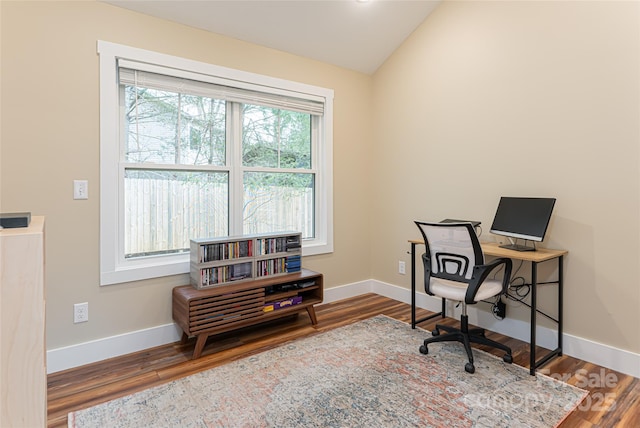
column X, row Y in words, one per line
column 161, row 216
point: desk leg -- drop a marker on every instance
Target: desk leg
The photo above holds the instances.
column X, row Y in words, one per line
column 533, row 364
column 413, row 285
column 560, row 303
column 532, row 342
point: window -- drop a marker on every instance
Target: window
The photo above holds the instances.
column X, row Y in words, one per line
column 191, row 150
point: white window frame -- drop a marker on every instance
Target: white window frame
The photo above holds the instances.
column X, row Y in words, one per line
column 114, row 268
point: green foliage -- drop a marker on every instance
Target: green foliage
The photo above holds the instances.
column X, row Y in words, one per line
column 166, row 127
column 261, row 180
column 275, row 138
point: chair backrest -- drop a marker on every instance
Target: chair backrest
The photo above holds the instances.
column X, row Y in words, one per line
column 452, row 249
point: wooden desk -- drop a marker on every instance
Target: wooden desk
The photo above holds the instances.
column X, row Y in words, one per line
column 534, row 257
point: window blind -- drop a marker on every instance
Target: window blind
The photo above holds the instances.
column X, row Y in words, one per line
column 201, row 85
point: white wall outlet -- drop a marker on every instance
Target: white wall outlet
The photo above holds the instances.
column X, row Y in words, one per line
column 80, row 312
column 401, row 268
column 80, row 189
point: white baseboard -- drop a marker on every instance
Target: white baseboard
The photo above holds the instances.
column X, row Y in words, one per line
column 101, row 349
column 604, row 355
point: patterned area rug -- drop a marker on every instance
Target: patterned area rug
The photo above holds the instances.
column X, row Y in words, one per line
column 367, row 374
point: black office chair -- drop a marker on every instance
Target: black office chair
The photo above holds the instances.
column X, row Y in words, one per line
column 454, row 269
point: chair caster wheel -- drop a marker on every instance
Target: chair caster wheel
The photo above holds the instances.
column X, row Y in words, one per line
column 435, row 332
column 424, row 350
column 469, row 368
column 507, row 358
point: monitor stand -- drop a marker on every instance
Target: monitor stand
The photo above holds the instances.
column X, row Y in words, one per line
column 517, row 247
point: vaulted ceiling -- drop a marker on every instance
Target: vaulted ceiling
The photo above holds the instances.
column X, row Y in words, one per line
column 358, row 35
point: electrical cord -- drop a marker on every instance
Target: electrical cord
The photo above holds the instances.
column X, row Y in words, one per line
column 495, row 310
column 522, row 290
column 517, row 291
column 498, row 312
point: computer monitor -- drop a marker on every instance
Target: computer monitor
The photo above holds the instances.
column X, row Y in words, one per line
column 522, row 218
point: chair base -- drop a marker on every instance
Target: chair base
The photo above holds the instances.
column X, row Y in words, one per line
column 465, row 336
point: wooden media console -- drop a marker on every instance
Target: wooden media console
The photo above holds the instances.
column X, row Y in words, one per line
column 209, row 311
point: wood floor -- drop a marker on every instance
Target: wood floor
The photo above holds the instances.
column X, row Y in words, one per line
column 614, row 399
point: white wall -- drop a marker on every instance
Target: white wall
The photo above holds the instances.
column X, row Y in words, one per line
column 490, row 99
column 50, row 137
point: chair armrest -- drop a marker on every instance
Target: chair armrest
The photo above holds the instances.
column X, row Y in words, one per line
column 427, row 274
column 481, row 272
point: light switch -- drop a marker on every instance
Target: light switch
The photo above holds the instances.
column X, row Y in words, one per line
column 80, row 189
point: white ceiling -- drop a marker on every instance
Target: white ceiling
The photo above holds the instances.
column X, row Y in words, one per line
column 355, row 35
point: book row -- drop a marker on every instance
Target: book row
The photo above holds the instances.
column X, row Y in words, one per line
column 227, row 273
column 278, row 265
column 225, row 251
column 277, row 245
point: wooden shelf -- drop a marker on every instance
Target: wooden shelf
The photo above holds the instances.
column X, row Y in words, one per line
column 214, row 310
